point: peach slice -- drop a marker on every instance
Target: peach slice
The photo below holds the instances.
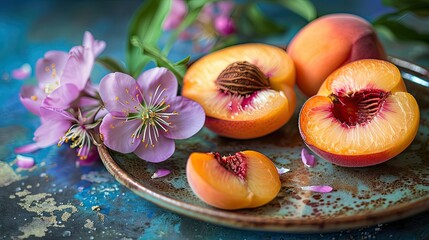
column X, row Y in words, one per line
column 329, row 42
column 246, row 90
column 247, row 179
column 361, row 116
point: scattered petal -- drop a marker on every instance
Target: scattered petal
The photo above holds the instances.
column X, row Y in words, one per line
column 282, row 170
column 22, row 72
column 27, row 148
column 321, row 189
column 308, row 159
column 24, row 162
column 161, row 173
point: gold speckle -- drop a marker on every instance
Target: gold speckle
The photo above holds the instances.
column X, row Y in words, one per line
column 89, row 224
column 34, row 98
column 96, row 208
column 65, row 216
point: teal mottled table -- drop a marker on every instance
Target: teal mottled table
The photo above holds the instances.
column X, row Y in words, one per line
column 56, row 198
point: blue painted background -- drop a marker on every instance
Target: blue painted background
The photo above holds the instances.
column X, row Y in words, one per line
column 98, row 206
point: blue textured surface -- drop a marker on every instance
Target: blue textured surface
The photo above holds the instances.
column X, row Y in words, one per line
column 56, row 198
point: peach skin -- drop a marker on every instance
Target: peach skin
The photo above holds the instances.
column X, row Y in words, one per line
column 361, row 116
column 329, row 42
column 247, row 179
column 246, row 90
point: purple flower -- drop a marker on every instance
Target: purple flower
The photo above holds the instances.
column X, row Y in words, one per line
column 145, row 116
column 177, row 14
column 58, row 68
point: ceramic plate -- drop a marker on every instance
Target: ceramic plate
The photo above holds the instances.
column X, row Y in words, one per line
column 361, row 196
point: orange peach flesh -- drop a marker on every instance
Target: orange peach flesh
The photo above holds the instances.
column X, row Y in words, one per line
column 386, row 134
column 328, row 43
column 238, row 116
column 221, row 188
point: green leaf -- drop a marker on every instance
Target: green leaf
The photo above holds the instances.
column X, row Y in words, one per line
column 160, row 59
column 183, row 61
column 258, row 23
column 404, row 32
column 146, row 24
column 303, row 8
column 111, row 64
column 419, row 7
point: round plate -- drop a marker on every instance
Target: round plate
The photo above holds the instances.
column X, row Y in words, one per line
column 361, row 197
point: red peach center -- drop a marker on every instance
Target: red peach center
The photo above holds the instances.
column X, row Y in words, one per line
column 236, row 164
column 358, row 107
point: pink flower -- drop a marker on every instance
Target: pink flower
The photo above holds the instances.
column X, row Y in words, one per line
column 145, row 116
column 224, row 25
column 58, row 68
column 213, row 21
column 177, row 14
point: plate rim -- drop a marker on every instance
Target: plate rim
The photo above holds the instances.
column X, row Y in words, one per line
column 235, row 220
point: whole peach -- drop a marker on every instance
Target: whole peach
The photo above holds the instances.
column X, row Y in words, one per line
column 329, row 42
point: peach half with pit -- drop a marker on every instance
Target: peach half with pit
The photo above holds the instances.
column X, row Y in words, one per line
column 247, row 179
column 362, row 115
column 329, row 42
column 246, row 90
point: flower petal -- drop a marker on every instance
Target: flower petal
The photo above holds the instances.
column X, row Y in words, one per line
column 161, row 152
column 62, row 97
column 157, row 78
column 177, row 14
column 321, row 189
column 31, row 97
column 91, row 158
column 78, row 67
column 50, row 68
column 308, row 159
column 282, row 170
column 117, row 134
column 96, row 46
column 50, row 132
column 24, row 162
column 118, row 92
column 190, row 118
column 22, row 72
column 161, row 173
column 224, row 25
column 27, row 148
column 225, row 7
column 55, row 114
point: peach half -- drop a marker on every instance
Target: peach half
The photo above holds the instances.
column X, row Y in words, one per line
column 361, row 116
column 247, row 179
column 329, row 42
column 246, row 90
